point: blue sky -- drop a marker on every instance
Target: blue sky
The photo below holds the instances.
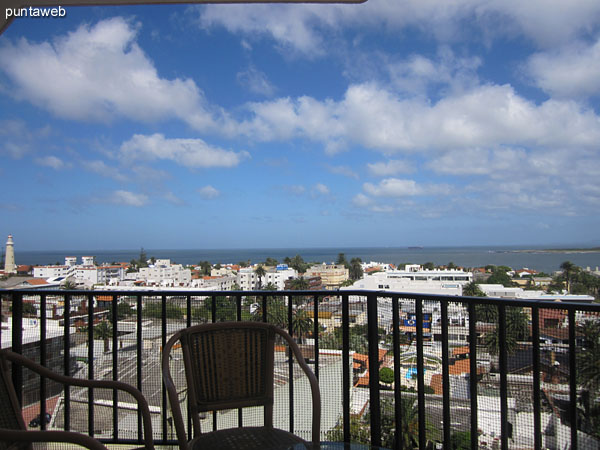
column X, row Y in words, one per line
column 239, row 126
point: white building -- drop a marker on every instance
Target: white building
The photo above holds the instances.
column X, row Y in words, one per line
column 417, row 280
column 163, row 273
column 224, row 283
column 498, row 290
column 279, row 275
column 51, row 271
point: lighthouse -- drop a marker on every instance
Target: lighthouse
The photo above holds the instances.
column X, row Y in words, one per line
column 9, row 260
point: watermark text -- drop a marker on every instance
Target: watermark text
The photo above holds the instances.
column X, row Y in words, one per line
column 57, row 11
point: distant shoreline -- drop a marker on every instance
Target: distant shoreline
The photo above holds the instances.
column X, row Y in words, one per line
column 560, row 250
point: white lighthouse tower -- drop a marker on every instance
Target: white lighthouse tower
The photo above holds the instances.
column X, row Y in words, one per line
column 9, row 260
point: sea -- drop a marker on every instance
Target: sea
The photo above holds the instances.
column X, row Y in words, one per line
column 515, row 257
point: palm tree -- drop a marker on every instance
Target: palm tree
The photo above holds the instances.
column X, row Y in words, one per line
column 472, row 290
column 104, row 331
column 69, row 285
column 517, row 327
column 260, row 272
column 299, row 284
column 301, row 324
column 588, row 360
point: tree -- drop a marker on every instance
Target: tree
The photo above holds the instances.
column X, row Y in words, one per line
column 341, row 260
column 355, row 272
column 588, row 360
column 103, row 331
column 271, row 262
column 429, row 266
column 568, row 270
column 269, row 287
column 472, row 290
column 154, row 309
column 301, row 324
column 460, row 440
column 517, row 328
column 69, row 285
column 29, row 309
column 143, row 261
column 386, row 375
column 260, row 272
column 588, row 376
column 124, row 310
column 297, row 262
column 299, row 284
column 205, row 267
column 500, row 277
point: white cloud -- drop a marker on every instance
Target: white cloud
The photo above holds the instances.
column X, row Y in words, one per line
column 571, row 71
column 128, row 198
column 346, row 171
column 256, row 81
column 485, row 116
column 391, row 167
column 307, row 29
column 101, row 168
column 52, row 161
column 393, row 187
column 192, row 153
column 320, row 189
column 100, row 73
column 208, row 192
column 172, row 198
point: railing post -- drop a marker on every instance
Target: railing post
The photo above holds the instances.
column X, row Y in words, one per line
column 572, row 379
column 374, row 399
column 346, row 366
column 17, row 343
column 473, row 373
column 420, row 374
column 502, row 359
column 445, row 375
column 397, row 378
column 535, row 336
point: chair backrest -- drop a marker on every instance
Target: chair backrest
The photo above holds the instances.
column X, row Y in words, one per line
column 230, row 365
column 10, row 411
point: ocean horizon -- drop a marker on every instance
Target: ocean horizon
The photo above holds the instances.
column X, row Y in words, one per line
column 468, row 256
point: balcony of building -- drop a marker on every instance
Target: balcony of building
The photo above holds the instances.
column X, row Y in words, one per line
column 395, row 370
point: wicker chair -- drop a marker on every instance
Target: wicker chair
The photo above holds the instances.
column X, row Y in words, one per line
column 14, row 433
column 230, row 365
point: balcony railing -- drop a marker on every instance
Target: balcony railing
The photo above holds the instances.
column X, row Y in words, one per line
column 461, row 372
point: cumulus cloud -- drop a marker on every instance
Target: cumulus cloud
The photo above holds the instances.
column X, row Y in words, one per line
column 571, row 71
column 320, row 189
column 99, row 73
column 256, row 81
column 192, row 153
column 376, row 118
column 306, row 28
column 99, row 167
column 391, row 167
column 346, row 171
column 52, row 161
column 208, row 192
column 128, row 198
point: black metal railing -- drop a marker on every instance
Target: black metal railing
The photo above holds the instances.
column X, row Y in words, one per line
column 527, row 382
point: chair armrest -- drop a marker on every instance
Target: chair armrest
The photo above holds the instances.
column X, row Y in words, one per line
column 50, row 436
column 101, row 384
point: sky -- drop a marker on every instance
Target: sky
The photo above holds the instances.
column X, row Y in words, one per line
column 389, row 123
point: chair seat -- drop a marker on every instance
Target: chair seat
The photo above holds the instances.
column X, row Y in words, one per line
column 249, row 438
